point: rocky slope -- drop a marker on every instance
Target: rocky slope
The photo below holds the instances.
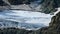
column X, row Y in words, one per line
column 54, row 26
column 13, row 31
column 47, row 6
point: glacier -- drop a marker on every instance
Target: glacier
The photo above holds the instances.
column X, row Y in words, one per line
column 23, row 19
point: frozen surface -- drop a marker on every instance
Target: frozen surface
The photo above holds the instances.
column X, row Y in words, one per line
column 26, row 18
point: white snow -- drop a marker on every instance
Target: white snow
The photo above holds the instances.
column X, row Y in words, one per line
column 27, row 17
column 57, row 11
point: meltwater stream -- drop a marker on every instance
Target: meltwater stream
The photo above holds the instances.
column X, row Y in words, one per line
column 23, row 19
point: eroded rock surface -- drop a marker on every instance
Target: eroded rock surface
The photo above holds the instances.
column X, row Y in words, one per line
column 54, row 26
column 47, row 6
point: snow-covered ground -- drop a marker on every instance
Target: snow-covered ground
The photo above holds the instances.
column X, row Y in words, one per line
column 24, row 19
column 26, row 16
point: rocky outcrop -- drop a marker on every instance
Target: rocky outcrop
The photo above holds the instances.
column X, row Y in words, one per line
column 54, row 26
column 47, row 6
column 2, row 3
column 13, row 31
column 18, row 2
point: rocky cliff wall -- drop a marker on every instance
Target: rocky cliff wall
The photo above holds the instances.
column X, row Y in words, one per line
column 54, row 26
column 47, row 6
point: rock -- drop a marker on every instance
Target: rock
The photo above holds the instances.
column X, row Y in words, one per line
column 2, row 3
column 18, row 2
column 54, row 26
column 14, row 31
column 47, row 6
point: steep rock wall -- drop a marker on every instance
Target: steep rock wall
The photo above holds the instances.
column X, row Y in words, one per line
column 54, row 26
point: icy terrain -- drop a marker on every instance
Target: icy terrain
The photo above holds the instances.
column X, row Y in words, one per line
column 23, row 19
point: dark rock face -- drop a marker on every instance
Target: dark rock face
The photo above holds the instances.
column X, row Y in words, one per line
column 54, row 26
column 15, row 2
column 18, row 2
column 48, row 6
column 14, row 31
column 57, row 3
column 2, row 3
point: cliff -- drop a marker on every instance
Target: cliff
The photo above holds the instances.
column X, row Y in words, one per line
column 13, row 31
column 47, row 6
column 54, row 26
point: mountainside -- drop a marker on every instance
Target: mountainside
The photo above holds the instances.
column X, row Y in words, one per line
column 45, row 6
column 54, row 26
column 13, row 31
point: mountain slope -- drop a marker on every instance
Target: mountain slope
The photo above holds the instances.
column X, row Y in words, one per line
column 54, row 26
column 43, row 5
